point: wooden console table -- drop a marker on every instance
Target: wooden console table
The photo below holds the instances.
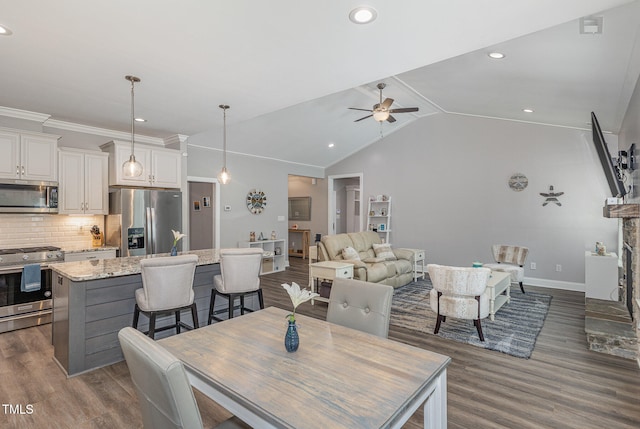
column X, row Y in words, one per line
column 306, row 240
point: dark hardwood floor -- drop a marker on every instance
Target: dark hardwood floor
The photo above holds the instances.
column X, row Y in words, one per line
column 563, row 385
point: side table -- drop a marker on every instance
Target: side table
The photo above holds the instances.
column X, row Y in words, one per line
column 328, row 270
column 418, row 258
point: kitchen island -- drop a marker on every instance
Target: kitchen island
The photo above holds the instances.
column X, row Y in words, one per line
column 93, row 300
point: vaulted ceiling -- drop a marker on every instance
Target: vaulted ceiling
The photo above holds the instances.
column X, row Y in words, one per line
column 290, row 69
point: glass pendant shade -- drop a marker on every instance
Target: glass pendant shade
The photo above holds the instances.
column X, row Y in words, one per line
column 224, row 177
column 132, row 168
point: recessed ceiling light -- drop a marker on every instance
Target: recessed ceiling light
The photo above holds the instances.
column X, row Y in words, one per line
column 140, row 120
column 363, row 15
column 4, row 31
column 496, row 55
column 331, row 145
column 527, row 110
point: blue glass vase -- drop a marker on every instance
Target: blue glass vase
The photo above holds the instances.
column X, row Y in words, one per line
column 291, row 339
column 174, row 251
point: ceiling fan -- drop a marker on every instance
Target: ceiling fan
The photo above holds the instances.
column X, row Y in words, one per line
column 381, row 111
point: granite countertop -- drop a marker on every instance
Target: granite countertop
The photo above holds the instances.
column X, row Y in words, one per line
column 117, row 267
column 90, row 249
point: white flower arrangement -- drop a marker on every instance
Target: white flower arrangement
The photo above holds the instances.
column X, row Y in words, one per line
column 298, row 296
column 177, row 236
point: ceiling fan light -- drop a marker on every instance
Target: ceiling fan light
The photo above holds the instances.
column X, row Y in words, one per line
column 381, row 115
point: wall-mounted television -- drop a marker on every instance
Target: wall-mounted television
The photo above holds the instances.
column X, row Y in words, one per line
column 611, row 172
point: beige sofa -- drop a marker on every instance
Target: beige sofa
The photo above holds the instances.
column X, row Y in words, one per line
column 396, row 270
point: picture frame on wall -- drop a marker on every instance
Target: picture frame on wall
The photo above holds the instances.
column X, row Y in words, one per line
column 206, row 201
column 196, row 206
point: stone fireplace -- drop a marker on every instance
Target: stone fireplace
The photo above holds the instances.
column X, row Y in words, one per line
column 629, row 291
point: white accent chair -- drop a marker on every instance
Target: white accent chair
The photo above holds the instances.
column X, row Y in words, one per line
column 459, row 292
column 510, row 259
column 167, row 287
column 360, row 305
column 161, row 383
column 239, row 276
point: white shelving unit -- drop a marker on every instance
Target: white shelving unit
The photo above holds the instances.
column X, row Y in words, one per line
column 271, row 261
column 379, row 218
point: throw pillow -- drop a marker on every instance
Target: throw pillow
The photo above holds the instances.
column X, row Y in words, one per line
column 384, row 251
column 350, row 253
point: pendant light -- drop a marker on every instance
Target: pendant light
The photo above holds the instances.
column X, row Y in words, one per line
column 132, row 168
column 224, row 177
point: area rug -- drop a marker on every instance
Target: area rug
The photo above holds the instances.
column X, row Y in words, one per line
column 514, row 330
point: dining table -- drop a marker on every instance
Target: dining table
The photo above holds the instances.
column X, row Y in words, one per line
column 338, row 378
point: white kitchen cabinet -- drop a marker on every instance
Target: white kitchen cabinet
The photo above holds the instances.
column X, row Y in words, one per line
column 161, row 168
column 28, row 155
column 89, row 255
column 83, row 187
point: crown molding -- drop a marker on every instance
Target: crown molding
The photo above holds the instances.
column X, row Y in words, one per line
column 23, row 114
column 116, row 135
column 175, row 139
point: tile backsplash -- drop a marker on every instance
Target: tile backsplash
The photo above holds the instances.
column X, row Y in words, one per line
column 29, row 230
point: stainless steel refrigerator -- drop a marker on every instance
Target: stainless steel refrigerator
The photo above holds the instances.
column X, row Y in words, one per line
column 140, row 221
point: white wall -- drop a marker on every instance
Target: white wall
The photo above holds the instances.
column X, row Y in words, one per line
column 447, row 176
column 630, row 133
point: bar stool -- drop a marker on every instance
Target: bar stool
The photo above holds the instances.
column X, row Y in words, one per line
column 167, row 287
column 240, row 276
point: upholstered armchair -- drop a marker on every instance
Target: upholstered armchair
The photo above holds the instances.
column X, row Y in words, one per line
column 510, row 259
column 360, row 305
column 460, row 293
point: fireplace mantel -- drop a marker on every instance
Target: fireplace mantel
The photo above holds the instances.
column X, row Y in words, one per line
column 621, row 210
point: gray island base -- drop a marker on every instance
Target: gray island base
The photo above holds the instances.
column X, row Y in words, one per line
column 93, row 300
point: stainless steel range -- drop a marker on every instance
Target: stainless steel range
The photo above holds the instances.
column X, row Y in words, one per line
column 20, row 309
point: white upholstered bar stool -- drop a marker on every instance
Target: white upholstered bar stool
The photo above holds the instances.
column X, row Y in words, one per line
column 509, row 259
column 164, row 392
column 360, row 305
column 167, row 287
column 239, row 276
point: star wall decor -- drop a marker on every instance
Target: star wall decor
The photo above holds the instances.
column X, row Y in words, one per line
column 551, row 197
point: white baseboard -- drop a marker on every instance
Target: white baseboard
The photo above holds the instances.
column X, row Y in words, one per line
column 554, row 284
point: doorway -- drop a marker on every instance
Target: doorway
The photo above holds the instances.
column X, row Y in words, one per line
column 204, row 213
column 345, row 206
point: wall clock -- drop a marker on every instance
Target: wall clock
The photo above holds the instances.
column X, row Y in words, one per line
column 518, row 182
column 256, row 201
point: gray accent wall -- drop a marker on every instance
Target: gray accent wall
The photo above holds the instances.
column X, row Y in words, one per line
column 300, row 186
column 247, row 172
column 447, row 176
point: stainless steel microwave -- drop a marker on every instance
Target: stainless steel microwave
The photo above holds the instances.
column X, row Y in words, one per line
column 28, row 197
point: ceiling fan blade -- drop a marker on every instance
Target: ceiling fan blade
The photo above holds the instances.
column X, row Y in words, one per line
column 391, row 119
column 364, row 110
column 404, row 110
column 358, row 120
column 387, row 103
